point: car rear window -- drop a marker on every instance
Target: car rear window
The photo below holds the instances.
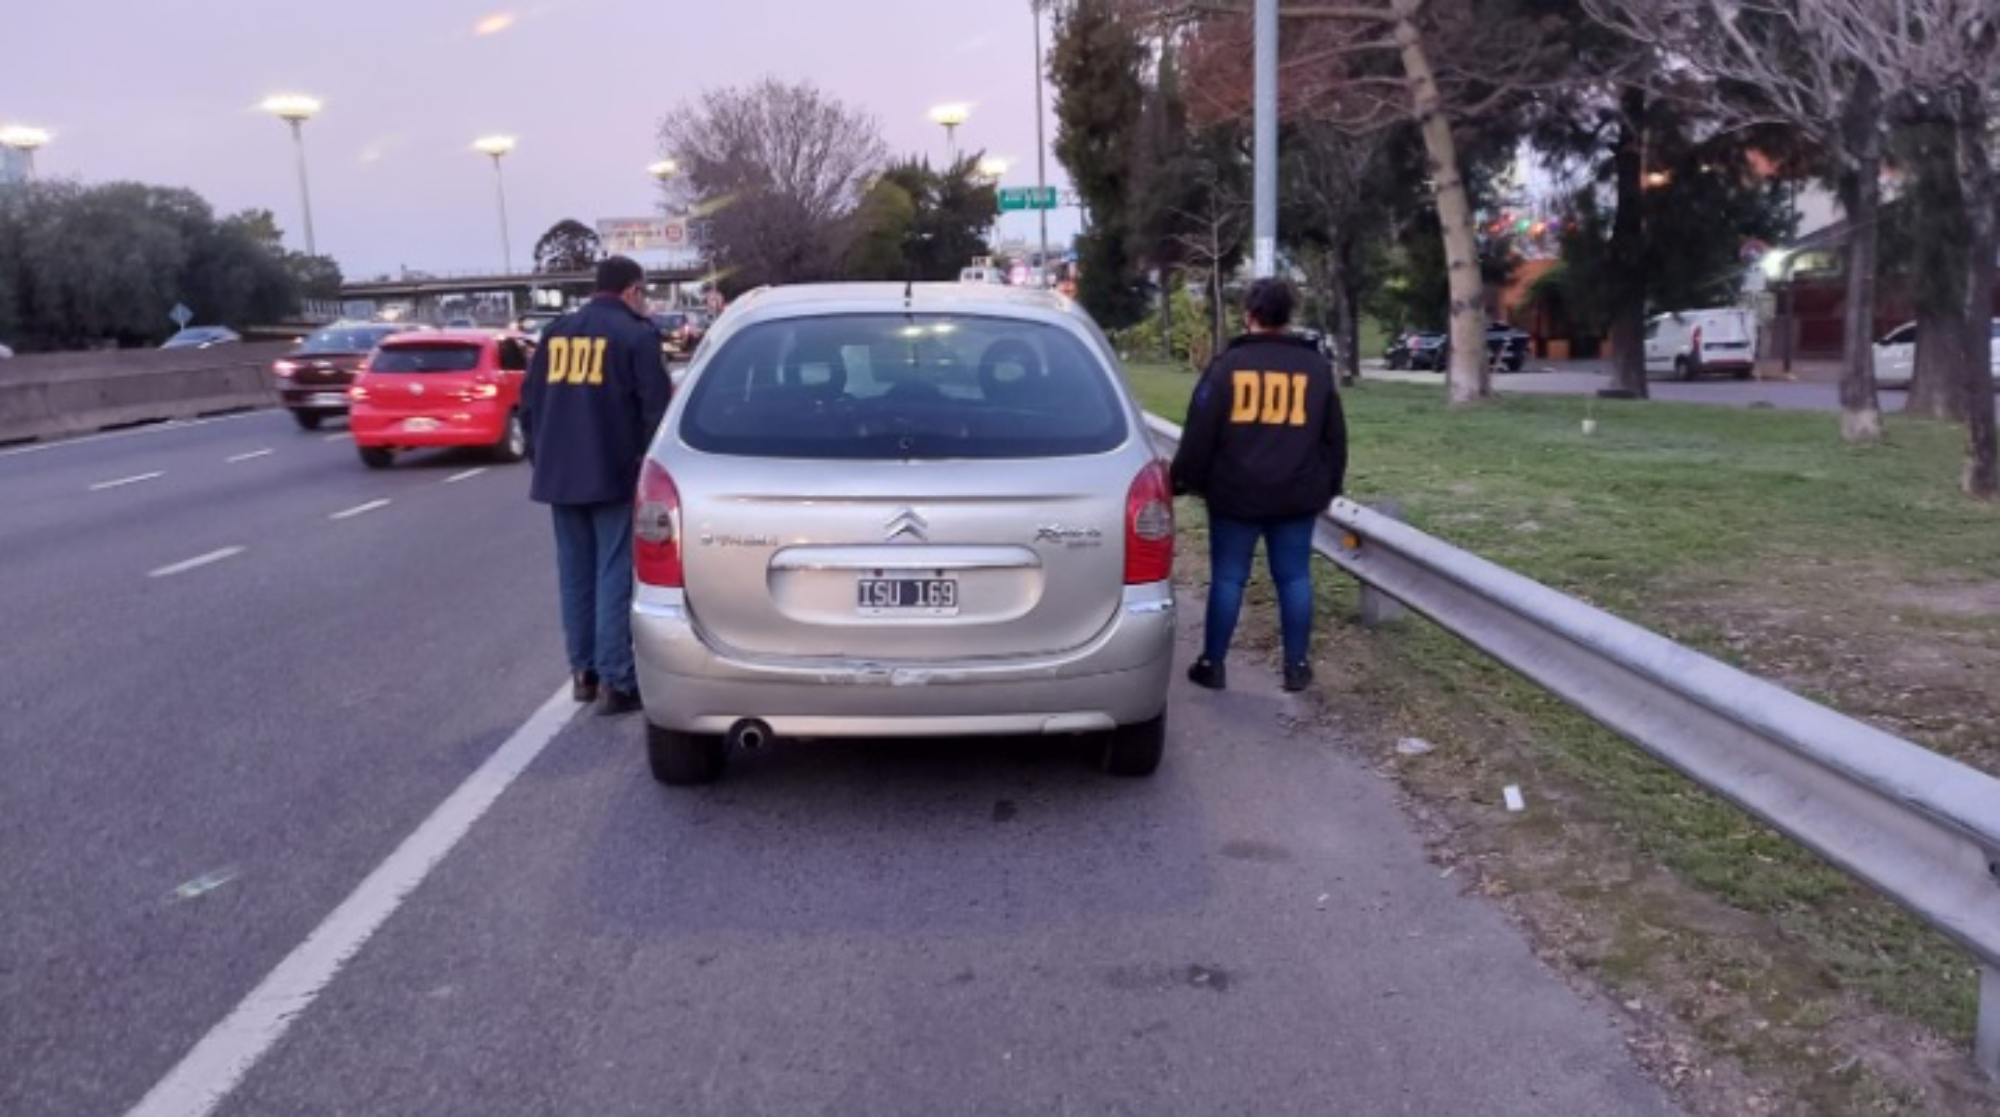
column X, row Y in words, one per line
column 426, row 358
column 337, row 339
column 903, row 387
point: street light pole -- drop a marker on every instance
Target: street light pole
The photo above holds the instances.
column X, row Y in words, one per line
column 1265, row 236
column 495, row 147
column 951, row 116
column 1041, row 151
column 295, row 109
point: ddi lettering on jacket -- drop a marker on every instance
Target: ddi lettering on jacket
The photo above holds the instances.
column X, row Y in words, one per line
column 576, row 360
column 1271, row 399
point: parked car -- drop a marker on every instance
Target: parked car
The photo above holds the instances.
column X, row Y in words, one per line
column 1506, row 347
column 313, row 379
column 202, row 337
column 679, row 332
column 1691, row 343
column 445, row 388
column 899, row 511
column 1321, row 341
column 1896, row 355
column 535, row 321
column 1418, row 349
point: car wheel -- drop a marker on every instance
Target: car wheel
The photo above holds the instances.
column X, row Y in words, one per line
column 1744, row 372
column 1683, row 369
column 307, row 420
column 1514, row 363
column 1135, row 750
column 1399, row 361
column 377, row 457
column 513, row 444
column 682, row 759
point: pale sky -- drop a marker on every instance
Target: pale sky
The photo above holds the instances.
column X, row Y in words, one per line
column 166, row 92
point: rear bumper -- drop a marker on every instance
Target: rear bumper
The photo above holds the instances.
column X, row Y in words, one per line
column 326, row 398
column 1119, row 678
column 461, row 424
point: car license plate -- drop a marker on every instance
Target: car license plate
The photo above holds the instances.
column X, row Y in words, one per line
column 330, row 399
column 418, row 426
column 924, row 597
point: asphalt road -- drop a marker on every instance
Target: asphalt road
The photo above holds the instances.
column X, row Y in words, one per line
column 201, row 765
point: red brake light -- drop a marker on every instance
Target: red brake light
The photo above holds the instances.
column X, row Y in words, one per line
column 1149, row 527
column 282, row 368
column 656, row 528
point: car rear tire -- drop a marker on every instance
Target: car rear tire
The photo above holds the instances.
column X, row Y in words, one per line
column 684, row 759
column 1135, row 750
column 377, row 457
column 1399, row 361
column 1744, row 372
column 513, row 444
column 307, row 420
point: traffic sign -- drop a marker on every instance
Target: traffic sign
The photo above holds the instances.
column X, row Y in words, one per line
column 1027, row 197
column 181, row 315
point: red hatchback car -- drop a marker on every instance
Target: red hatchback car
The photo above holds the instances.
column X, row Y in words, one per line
column 451, row 388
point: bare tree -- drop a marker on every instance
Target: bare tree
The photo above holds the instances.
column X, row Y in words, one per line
column 1766, row 64
column 777, row 168
column 1211, row 239
column 1939, row 60
column 1333, row 173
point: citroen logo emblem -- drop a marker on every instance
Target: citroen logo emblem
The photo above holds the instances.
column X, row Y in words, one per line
column 908, row 524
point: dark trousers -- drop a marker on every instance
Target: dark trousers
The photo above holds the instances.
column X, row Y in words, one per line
column 594, row 570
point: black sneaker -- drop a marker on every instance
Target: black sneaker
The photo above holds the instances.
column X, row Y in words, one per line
column 619, row 701
column 1298, row 676
column 1205, row 672
column 583, row 686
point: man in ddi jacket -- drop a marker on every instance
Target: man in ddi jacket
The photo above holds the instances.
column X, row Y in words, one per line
column 595, row 393
column 1265, row 446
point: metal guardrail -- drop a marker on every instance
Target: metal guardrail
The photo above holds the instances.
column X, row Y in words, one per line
column 1918, row 827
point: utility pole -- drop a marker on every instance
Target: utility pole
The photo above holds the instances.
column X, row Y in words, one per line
column 1041, row 148
column 1265, row 231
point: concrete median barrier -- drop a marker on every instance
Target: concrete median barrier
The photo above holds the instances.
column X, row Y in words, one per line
column 55, row 394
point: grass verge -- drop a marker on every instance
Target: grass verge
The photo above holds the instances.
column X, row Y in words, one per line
column 1856, row 576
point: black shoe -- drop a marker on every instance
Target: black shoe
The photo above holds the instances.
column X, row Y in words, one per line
column 1205, row 672
column 619, row 701
column 583, row 686
column 1298, row 676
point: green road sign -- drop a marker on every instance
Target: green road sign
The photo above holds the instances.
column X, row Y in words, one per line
column 1027, row 197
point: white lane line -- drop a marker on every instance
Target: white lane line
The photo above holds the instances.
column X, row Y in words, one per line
column 151, row 428
column 123, row 481
column 359, row 509
column 337, row 436
column 206, row 1075
column 466, row 476
column 199, row 560
column 246, row 457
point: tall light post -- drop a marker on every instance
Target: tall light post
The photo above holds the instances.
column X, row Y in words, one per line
column 295, row 109
column 25, row 140
column 494, row 147
column 951, row 116
column 1041, row 146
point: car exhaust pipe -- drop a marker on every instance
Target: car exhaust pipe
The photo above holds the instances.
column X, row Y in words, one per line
column 749, row 734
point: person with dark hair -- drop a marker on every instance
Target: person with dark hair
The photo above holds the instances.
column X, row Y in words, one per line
column 1265, row 446
column 596, row 391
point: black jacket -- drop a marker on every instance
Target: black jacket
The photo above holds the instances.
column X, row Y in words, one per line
column 596, row 391
column 1265, row 438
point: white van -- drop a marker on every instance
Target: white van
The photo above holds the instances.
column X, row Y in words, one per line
column 978, row 274
column 1690, row 343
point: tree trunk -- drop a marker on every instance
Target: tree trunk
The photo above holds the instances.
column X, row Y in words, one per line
column 1350, row 325
column 1975, row 178
column 1934, row 390
column 1628, row 231
column 1469, row 379
column 1860, row 409
column 1167, row 315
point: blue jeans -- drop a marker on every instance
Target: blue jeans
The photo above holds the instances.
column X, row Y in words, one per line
column 1288, row 549
column 594, row 569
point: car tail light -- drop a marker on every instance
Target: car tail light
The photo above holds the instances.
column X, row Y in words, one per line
column 357, row 393
column 480, row 391
column 283, row 368
column 1149, row 527
column 656, row 529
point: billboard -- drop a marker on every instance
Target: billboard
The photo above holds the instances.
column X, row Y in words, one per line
column 626, row 235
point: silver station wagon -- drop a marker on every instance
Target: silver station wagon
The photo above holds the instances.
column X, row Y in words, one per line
column 890, row 510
